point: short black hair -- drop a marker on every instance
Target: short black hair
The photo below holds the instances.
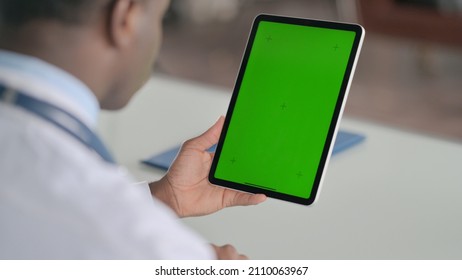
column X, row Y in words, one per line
column 18, row 12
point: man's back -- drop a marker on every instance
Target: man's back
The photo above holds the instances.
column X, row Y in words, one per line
column 58, row 199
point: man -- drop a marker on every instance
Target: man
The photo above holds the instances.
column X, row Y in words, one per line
column 61, row 194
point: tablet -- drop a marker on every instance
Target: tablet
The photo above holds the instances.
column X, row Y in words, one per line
column 286, row 105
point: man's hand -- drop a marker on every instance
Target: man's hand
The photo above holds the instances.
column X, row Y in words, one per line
column 228, row 252
column 185, row 187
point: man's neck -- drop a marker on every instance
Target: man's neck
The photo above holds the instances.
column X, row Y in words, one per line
column 73, row 51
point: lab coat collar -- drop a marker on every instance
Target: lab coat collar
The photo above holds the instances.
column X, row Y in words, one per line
column 46, row 81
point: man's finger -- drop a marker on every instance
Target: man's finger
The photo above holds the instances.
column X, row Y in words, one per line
column 208, row 138
column 235, row 198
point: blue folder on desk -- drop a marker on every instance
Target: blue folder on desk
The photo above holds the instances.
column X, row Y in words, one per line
column 163, row 160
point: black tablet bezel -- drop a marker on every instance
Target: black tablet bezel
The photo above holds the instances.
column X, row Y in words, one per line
column 334, row 122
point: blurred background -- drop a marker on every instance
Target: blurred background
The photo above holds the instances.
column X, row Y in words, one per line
column 409, row 73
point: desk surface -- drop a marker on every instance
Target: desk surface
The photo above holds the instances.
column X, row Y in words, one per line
column 398, row 195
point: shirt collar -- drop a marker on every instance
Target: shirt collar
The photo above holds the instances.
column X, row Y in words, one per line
column 68, row 86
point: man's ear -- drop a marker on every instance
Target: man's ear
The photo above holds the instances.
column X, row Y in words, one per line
column 123, row 22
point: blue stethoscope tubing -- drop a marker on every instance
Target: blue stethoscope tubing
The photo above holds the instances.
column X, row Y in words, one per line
column 58, row 117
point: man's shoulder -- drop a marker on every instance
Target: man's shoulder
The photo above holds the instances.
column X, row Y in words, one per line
column 35, row 152
column 64, row 197
column 42, row 147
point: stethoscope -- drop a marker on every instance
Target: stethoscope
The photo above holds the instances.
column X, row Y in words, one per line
column 58, row 117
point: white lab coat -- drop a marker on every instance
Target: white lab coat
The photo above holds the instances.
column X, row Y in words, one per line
column 59, row 200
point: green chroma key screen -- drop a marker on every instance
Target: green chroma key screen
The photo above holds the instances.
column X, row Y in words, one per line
column 285, row 99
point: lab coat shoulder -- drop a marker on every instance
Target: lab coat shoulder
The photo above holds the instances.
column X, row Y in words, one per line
column 60, row 200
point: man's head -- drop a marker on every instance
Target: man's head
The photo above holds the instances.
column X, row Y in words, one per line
column 108, row 44
column 17, row 12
